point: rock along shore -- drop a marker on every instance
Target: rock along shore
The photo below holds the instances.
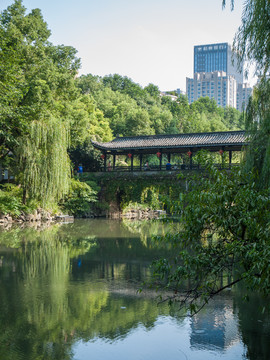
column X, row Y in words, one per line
column 37, row 216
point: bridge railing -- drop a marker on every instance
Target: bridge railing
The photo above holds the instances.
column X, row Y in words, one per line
column 164, row 168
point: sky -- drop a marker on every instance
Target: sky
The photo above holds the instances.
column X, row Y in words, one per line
column 149, row 41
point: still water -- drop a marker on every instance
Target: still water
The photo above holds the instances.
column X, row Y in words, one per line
column 69, row 292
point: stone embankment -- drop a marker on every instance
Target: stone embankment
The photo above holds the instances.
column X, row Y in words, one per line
column 137, row 214
column 37, row 216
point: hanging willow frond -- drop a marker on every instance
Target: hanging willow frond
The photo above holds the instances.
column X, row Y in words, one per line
column 252, row 40
column 257, row 157
column 224, row 4
column 44, row 161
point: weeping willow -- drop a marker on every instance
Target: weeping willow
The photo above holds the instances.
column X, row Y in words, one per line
column 252, row 40
column 44, row 161
column 258, row 127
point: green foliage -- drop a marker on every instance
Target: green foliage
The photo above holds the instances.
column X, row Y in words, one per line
column 131, row 110
column 46, row 114
column 44, row 162
column 258, row 127
column 252, row 40
column 11, row 200
column 42, row 111
column 150, row 196
column 145, row 192
column 226, row 229
column 225, row 216
column 80, row 198
column 153, row 90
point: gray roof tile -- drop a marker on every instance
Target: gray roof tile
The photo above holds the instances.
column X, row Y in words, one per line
column 172, row 141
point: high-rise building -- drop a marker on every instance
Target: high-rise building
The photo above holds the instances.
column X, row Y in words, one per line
column 244, row 92
column 216, row 85
column 217, row 75
column 217, row 57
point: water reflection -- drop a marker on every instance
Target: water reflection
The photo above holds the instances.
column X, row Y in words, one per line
column 70, row 292
column 215, row 328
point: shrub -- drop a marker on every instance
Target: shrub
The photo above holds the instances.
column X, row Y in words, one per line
column 80, row 198
column 11, row 200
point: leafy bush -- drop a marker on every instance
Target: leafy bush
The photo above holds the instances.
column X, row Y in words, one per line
column 11, row 200
column 80, row 198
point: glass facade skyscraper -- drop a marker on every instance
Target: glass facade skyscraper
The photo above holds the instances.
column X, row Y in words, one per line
column 217, row 76
column 216, row 57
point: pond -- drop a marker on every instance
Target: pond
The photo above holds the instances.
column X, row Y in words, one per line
column 69, row 292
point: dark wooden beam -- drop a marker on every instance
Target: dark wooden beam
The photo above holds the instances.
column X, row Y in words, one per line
column 190, row 159
column 131, row 165
column 113, row 161
column 105, row 161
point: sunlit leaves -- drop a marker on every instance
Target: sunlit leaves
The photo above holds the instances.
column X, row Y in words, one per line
column 225, row 232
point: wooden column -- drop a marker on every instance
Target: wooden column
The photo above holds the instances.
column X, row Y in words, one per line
column 160, row 160
column 169, row 157
column 140, row 162
column 190, row 159
column 131, row 165
column 105, row 161
column 113, row 162
column 222, row 158
column 230, row 158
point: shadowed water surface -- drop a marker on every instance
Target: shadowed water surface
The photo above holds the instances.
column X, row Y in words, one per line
column 70, row 292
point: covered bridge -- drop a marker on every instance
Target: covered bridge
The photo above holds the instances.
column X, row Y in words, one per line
column 166, row 145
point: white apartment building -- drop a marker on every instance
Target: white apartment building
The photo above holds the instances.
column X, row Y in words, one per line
column 244, row 91
column 216, row 85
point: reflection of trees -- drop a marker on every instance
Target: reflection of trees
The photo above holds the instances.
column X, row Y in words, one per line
column 254, row 325
column 48, row 301
column 146, row 229
column 44, row 310
column 33, row 295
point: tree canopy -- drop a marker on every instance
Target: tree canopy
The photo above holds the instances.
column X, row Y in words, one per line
column 42, row 111
column 133, row 110
column 225, row 216
column 49, row 115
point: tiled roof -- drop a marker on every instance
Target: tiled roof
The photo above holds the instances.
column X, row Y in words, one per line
column 228, row 138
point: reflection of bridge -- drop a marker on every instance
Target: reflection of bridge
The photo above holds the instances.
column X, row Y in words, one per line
column 163, row 146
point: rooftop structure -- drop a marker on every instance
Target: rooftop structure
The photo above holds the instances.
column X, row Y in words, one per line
column 233, row 140
column 172, row 144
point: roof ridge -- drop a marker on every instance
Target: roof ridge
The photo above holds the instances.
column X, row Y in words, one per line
column 173, row 135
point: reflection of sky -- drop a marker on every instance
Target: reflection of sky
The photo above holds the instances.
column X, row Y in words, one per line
column 168, row 339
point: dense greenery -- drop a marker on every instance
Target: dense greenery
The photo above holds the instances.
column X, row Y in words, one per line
column 48, row 117
column 42, row 112
column 225, row 231
column 132, row 110
column 252, row 41
column 225, row 217
column 258, row 126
